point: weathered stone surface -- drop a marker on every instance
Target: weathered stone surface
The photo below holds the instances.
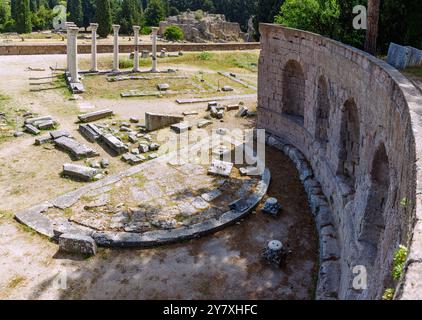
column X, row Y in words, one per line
column 155, row 121
column 74, row 243
column 180, row 127
column 38, row 119
column 76, row 149
column 204, row 123
column 232, row 107
column 242, row 112
column 79, row 172
column 163, row 86
column 46, row 125
column 96, row 115
column 42, row 140
column 90, row 132
column 31, row 129
column 221, row 168
column 59, row 133
column 115, row 144
column 227, row 88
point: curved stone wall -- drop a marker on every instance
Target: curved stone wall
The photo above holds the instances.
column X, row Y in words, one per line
column 355, row 119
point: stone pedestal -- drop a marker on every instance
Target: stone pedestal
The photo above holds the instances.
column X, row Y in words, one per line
column 116, row 28
column 73, row 53
column 94, row 27
column 274, row 252
column 136, row 51
column 154, row 50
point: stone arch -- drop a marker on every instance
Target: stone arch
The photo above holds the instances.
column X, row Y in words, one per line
column 322, row 112
column 349, row 142
column 294, row 90
column 373, row 222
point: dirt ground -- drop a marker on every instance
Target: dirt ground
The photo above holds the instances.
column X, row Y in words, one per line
column 230, row 259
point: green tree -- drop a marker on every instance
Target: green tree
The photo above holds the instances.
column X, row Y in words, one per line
column 129, row 16
column 23, row 17
column 43, row 18
column 4, row 12
column 103, row 18
column 74, row 8
column 320, row 16
column 173, row 33
column 13, row 12
column 154, row 12
column 88, row 12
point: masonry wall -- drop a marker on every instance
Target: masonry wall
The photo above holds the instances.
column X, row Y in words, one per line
column 29, row 49
column 357, row 129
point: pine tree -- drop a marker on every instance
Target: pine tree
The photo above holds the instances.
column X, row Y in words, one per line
column 23, row 17
column 103, row 18
column 129, row 15
column 13, row 12
column 88, row 10
column 154, row 13
column 74, row 8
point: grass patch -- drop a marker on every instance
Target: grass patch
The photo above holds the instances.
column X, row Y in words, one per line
column 388, row 294
column 15, row 281
column 414, row 71
column 5, row 215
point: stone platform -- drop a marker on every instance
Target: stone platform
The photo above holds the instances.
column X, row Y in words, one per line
column 165, row 200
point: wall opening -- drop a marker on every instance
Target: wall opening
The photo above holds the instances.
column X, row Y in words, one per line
column 373, row 223
column 322, row 112
column 349, row 143
column 294, row 91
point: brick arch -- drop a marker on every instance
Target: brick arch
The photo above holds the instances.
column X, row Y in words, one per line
column 294, row 90
column 322, row 112
column 349, row 142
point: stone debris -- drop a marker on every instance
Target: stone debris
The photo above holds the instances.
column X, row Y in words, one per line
column 221, row 168
column 59, row 133
column 242, row 112
column 134, row 151
column 204, row 123
column 115, row 144
column 271, row 206
column 180, row 127
column 231, row 107
column 143, row 148
column 76, row 149
column 168, row 223
column 132, row 159
column 101, row 201
column 190, row 113
column 104, row 163
column 96, row 115
column 90, row 132
column 212, row 104
column 134, row 120
column 152, row 156
column 211, row 195
column 154, row 146
column 31, row 129
column 155, row 121
column 221, row 150
column 18, row 134
column 221, row 131
column 46, row 125
column 220, row 114
column 79, row 172
column 227, row 88
column 35, row 121
column 163, row 86
column 251, row 114
column 43, row 140
column 77, row 243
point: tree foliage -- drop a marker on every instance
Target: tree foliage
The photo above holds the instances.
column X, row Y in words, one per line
column 173, row 33
column 74, row 9
column 103, row 18
column 23, row 17
column 154, row 12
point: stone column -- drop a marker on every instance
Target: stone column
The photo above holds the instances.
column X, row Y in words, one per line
column 154, row 49
column 116, row 28
column 94, row 27
column 68, row 49
column 136, row 52
column 74, row 78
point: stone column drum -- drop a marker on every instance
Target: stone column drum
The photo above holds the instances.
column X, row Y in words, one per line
column 94, row 27
column 74, row 78
column 136, row 51
column 68, row 49
column 116, row 28
column 154, row 49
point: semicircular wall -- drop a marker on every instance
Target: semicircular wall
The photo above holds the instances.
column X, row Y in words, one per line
column 356, row 120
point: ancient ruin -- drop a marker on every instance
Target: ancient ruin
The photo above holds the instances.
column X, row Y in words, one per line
column 205, row 27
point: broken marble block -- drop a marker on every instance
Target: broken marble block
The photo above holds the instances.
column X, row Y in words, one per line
column 115, row 144
column 34, row 121
column 43, row 140
column 79, row 172
column 190, row 113
column 96, row 115
column 243, row 111
column 204, row 123
column 132, row 159
column 220, row 114
column 163, row 86
column 211, row 104
column 77, row 243
column 143, row 148
column 90, row 132
column 134, row 120
column 221, row 168
column 231, row 107
column 271, row 206
column 77, row 150
column 46, row 125
column 31, row 129
column 154, row 146
column 180, row 127
column 59, row 133
column 227, row 88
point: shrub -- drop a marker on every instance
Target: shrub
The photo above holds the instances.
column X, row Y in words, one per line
column 388, row 294
column 145, row 30
column 199, row 14
column 204, row 56
column 398, row 262
column 125, row 63
column 173, row 33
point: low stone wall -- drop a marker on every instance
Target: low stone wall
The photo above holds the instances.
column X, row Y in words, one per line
column 31, row 49
column 355, row 120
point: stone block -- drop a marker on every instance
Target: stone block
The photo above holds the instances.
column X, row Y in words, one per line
column 31, row 129
column 77, row 243
column 79, row 172
column 96, row 115
column 113, row 143
column 74, row 148
column 155, row 121
column 180, row 127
